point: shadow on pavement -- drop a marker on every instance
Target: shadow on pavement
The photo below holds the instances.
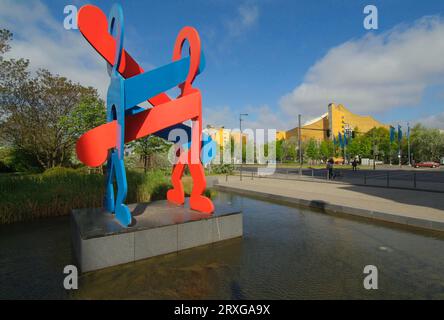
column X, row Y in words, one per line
column 418, row 198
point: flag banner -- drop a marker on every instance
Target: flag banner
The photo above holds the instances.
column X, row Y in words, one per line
column 392, row 134
column 399, row 133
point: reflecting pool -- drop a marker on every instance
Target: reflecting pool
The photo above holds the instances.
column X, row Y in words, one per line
column 285, row 253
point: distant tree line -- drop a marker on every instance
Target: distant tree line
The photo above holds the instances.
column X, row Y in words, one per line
column 426, row 144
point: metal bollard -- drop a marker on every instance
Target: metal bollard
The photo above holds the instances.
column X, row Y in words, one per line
column 312, row 173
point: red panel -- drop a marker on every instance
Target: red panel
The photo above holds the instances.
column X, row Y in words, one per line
column 93, row 25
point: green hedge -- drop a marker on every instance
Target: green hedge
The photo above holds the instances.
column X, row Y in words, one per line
column 57, row 191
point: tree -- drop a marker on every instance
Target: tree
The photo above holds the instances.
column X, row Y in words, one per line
column 326, row 150
column 33, row 110
column 5, row 37
column 89, row 113
column 279, row 150
column 288, row 149
column 375, row 142
column 427, row 144
column 312, row 149
column 147, row 147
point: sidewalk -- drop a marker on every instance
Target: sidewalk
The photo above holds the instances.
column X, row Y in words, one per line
column 414, row 208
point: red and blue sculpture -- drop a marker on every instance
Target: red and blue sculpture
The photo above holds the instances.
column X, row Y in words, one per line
column 129, row 86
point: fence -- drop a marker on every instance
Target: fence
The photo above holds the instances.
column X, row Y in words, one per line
column 399, row 179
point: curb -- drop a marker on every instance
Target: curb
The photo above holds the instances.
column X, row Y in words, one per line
column 335, row 209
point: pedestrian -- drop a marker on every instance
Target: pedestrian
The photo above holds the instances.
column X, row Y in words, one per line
column 354, row 164
column 330, row 168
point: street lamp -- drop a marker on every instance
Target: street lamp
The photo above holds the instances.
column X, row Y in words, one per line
column 299, row 144
column 240, row 140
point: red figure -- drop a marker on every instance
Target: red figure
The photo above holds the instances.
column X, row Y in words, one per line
column 92, row 147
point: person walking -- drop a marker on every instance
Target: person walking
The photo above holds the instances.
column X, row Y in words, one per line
column 330, row 168
column 354, row 164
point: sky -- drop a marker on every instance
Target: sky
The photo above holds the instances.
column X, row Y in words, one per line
column 272, row 59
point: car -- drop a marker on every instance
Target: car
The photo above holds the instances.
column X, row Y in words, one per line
column 427, row 164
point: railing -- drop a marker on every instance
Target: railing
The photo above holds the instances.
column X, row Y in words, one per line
column 390, row 178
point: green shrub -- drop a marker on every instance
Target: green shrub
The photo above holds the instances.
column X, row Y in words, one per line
column 59, row 190
column 5, row 168
column 159, row 192
column 60, row 172
column 19, row 161
column 225, row 168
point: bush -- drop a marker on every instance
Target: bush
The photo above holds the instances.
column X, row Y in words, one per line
column 159, row 192
column 17, row 160
column 5, row 160
column 60, row 172
column 4, row 168
column 225, row 168
column 59, row 190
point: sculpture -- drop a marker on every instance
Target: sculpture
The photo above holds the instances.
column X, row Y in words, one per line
column 126, row 121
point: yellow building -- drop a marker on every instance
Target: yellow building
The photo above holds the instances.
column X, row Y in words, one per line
column 281, row 135
column 337, row 120
column 223, row 136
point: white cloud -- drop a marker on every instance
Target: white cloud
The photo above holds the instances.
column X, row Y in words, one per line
column 262, row 117
column 219, row 116
column 374, row 73
column 41, row 38
column 433, row 121
column 247, row 16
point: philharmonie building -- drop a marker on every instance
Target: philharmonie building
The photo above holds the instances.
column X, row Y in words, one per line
column 337, row 119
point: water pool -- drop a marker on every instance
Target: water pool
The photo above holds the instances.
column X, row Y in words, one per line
column 286, row 253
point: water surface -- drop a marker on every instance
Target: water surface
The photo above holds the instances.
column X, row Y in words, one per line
column 286, row 253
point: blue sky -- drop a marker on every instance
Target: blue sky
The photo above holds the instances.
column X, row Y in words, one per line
column 271, row 59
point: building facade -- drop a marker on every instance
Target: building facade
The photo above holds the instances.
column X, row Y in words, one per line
column 223, row 136
column 337, row 119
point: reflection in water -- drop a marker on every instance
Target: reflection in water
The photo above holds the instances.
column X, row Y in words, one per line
column 286, row 253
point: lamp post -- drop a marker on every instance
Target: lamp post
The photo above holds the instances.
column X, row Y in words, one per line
column 399, row 145
column 374, row 150
column 299, row 144
column 240, row 141
column 408, row 143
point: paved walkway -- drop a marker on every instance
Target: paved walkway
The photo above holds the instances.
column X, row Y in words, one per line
column 408, row 207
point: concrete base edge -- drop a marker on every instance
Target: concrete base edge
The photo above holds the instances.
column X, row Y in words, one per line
column 106, row 251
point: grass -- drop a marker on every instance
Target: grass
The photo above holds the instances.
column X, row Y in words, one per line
column 56, row 192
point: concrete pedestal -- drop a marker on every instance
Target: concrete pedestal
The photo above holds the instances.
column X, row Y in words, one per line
column 158, row 228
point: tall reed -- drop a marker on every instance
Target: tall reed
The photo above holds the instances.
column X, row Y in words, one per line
column 56, row 192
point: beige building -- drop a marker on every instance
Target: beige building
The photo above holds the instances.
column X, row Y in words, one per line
column 337, row 119
column 223, row 136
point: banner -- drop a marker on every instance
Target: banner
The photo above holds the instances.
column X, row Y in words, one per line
column 392, row 134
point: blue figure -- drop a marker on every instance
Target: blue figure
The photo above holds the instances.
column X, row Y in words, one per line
column 115, row 110
column 122, row 98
